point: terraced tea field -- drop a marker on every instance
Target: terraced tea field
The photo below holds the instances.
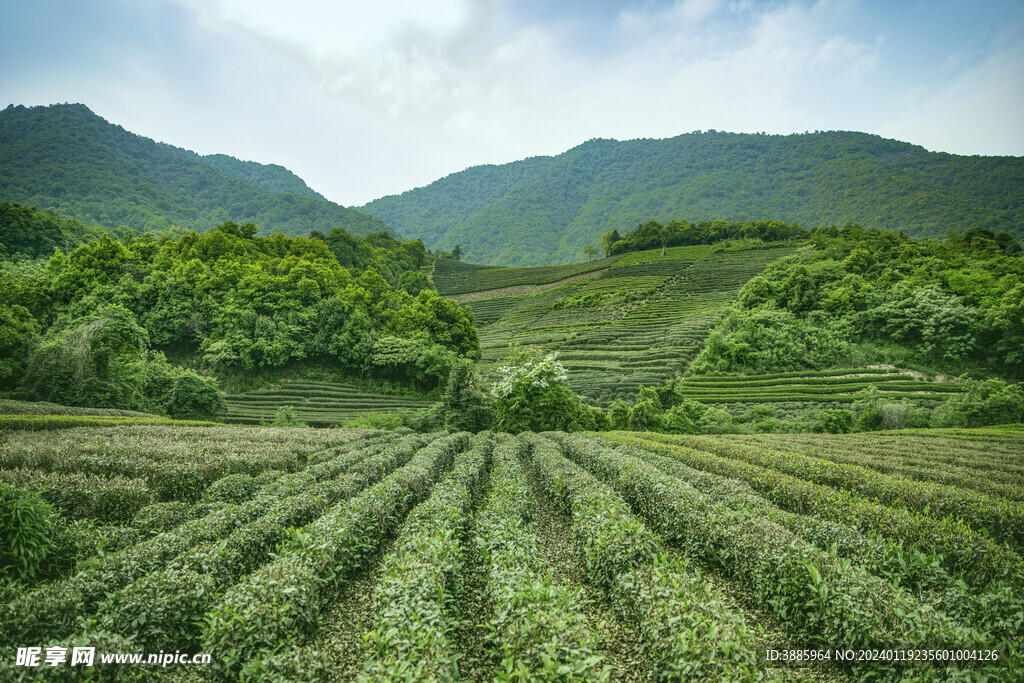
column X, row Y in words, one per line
column 322, row 555
column 831, row 388
column 318, row 404
column 616, row 323
column 456, row 277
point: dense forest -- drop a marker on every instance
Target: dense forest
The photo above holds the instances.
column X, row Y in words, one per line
column 27, row 232
column 653, row 234
column 548, row 209
column 69, row 159
column 96, row 326
column 856, row 296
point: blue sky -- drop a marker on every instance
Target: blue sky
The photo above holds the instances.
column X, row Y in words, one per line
column 366, row 101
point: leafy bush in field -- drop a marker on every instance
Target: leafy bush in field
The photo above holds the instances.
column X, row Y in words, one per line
column 234, row 488
column 36, row 544
column 286, row 417
column 299, row 664
column 832, row 421
column 533, row 395
column 96, row 539
column 464, row 406
column 663, row 408
column 164, row 516
column 984, row 403
column 193, row 397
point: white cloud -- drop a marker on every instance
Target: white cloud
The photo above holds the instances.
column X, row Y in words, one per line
column 328, row 29
column 978, row 112
column 364, row 100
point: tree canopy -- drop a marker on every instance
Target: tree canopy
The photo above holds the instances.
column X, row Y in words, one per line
column 856, row 295
column 225, row 301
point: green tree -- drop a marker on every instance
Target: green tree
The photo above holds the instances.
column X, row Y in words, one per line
column 96, row 361
column 532, row 394
column 608, row 241
column 464, row 406
column 193, row 397
column 590, row 252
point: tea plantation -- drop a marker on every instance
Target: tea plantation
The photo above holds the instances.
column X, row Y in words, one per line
column 321, row 555
column 318, row 404
column 616, row 323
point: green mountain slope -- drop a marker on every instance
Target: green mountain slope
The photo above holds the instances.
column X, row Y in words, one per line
column 547, row 209
column 616, row 323
column 67, row 158
column 270, row 177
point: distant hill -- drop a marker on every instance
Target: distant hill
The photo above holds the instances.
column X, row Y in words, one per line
column 545, row 210
column 270, row 177
column 67, row 158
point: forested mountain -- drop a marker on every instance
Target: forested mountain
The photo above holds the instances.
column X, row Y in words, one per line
column 548, row 209
column 69, row 159
column 270, row 177
column 25, row 231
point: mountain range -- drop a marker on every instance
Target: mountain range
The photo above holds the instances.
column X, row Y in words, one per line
column 546, row 210
column 541, row 210
column 66, row 158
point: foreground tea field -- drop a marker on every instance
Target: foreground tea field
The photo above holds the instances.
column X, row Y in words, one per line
column 299, row 555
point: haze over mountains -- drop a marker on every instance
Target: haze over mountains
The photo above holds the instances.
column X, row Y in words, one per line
column 67, row 158
column 547, row 209
column 536, row 211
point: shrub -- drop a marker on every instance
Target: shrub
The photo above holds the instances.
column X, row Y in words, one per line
column 36, row 543
column 163, row 516
column 983, row 403
column 195, row 398
column 833, row 421
column 234, row 488
column 533, row 394
column 287, row 417
column 464, row 406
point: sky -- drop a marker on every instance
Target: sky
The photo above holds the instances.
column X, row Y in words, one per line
column 363, row 100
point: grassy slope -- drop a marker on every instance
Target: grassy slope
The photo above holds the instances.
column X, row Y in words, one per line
column 639, row 319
